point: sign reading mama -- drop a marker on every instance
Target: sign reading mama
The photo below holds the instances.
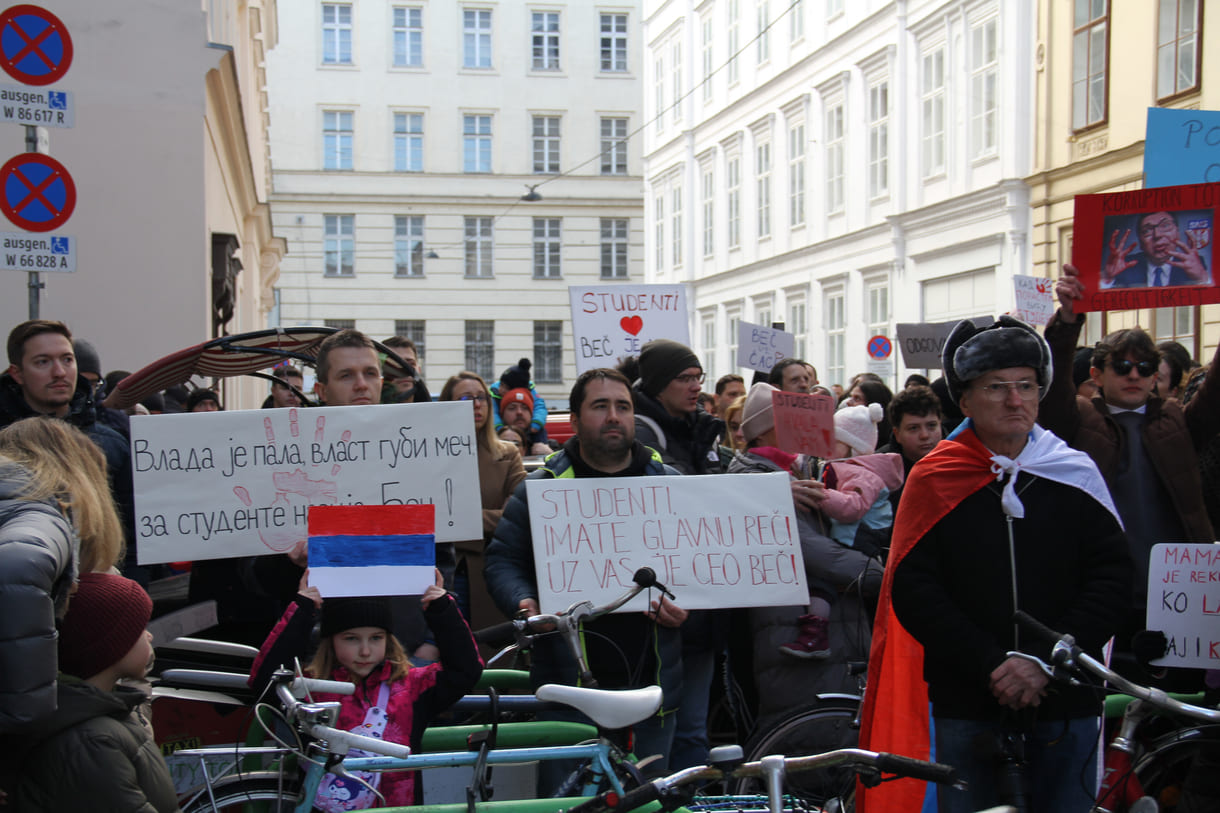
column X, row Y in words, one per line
column 1184, row 602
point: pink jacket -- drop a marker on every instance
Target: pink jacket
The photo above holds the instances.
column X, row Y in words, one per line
column 858, row 482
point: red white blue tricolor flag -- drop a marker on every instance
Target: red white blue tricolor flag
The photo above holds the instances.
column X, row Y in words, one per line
column 371, row 550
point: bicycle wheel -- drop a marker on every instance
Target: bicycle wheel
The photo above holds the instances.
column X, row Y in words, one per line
column 1165, row 770
column 814, row 729
column 242, row 794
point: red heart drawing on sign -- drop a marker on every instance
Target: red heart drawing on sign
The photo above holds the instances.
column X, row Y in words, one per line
column 632, row 324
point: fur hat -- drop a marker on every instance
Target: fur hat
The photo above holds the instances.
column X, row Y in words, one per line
column 517, row 394
column 756, row 415
column 516, row 377
column 970, row 352
column 661, row 361
column 339, row 614
column 857, row 427
column 106, row 617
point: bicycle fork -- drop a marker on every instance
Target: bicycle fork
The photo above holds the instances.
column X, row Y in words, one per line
column 1120, row 787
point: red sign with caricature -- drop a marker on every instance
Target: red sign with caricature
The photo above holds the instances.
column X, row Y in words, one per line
column 1147, row 248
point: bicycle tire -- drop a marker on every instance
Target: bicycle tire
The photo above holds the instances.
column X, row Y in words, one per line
column 821, row 726
column 1163, row 768
column 265, row 794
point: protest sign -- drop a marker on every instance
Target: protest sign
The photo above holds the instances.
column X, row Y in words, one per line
column 1035, row 299
column 1146, row 248
column 610, row 322
column 922, row 342
column 1181, row 147
column 718, row 540
column 371, row 550
column 759, row 348
column 804, row 423
column 1184, row 602
column 222, row 484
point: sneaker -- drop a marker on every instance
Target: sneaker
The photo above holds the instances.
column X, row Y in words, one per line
column 813, row 641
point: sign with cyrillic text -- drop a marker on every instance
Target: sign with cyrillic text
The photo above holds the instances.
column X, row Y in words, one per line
column 212, row 485
column 1184, row 602
column 804, row 423
column 611, row 322
column 718, row 540
column 761, row 348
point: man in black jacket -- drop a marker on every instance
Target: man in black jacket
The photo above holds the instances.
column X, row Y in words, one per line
column 667, row 413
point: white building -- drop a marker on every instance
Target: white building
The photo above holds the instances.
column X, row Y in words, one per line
column 837, row 166
column 404, row 135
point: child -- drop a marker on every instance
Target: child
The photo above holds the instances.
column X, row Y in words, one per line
column 515, row 384
column 93, row 753
column 856, row 501
column 393, row 701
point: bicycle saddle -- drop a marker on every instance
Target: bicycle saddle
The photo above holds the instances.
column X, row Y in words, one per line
column 609, row 709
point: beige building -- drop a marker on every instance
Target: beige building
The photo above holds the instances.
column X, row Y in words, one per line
column 1099, row 64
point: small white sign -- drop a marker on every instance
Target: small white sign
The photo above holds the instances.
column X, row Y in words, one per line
column 1184, row 602
column 1035, row 299
column 610, row 322
column 26, row 251
column 760, row 348
column 37, row 108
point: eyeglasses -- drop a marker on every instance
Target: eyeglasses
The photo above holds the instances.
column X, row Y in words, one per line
column 1123, row 367
column 998, row 390
column 1162, row 228
column 690, row 378
column 478, row 399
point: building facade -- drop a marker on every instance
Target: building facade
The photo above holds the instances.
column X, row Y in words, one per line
column 445, row 171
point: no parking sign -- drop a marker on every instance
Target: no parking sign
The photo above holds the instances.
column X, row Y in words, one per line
column 35, row 48
column 36, row 192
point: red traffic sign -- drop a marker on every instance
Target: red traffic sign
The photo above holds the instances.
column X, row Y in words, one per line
column 35, row 47
column 880, row 347
column 36, row 192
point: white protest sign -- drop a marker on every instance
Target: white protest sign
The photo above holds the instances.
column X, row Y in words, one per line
column 1184, row 602
column 717, row 540
column 921, row 342
column 1035, row 299
column 760, row 348
column 221, row 484
column 610, row 322
column 804, row 423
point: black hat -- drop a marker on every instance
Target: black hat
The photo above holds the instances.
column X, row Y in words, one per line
column 970, row 352
column 86, row 358
column 199, row 396
column 1081, row 362
column 339, row 614
column 517, row 377
column 661, row 361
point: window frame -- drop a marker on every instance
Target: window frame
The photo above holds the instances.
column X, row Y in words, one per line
column 614, row 247
column 879, row 139
column 545, row 144
column 708, row 180
column 835, row 135
column 984, row 77
column 408, row 142
column 339, row 243
column 1196, row 35
column 764, row 164
column 480, row 347
column 478, row 42
column 932, row 102
column 612, row 41
column 613, row 145
column 548, row 247
column 478, row 245
column 796, row 174
column 1087, row 30
column 478, row 140
column 411, row 36
column 545, row 41
column 337, row 28
column 675, row 221
column 404, row 232
column 548, row 351
column 733, row 199
column 338, row 151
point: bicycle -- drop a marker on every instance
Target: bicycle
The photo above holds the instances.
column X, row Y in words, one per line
column 1139, row 774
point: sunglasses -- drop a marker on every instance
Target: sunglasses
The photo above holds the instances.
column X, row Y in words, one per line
column 1123, row 367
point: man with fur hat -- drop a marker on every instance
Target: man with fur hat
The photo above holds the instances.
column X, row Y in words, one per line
column 667, row 413
column 1002, row 516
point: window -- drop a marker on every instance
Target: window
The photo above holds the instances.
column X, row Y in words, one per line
column 408, row 30
column 547, row 244
column 1090, row 42
column 336, row 34
column 676, row 64
column 546, row 144
column 734, row 33
column 932, row 103
column 548, row 352
column 408, row 142
column 614, row 42
column 614, row 146
column 339, row 245
column 733, row 169
column 1177, row 48
column 478, row 247
column 796, row 175
column 413, row 329
column 798, row 325
column 481, row 347
column 707, row 63
column 796, row 20
column 544, row 40
column 659, row 235
column 337, row 139
column 658, row 76
column 879, row 139
column 878, row 307
column 676, row 224
column 476, row 143
column 836, row 340
column 476, row 38
column 834, row 8
column 762, row 313
column 734, row 328
column 709, row 212
column 834, row 158
column 708, row 323
column 614, row 248
column 408, row 245
column 340, row 324
column 762, row 172
column 763, row 41
column 984, row 68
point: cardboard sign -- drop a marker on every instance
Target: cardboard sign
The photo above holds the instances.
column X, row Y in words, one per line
column 922, row 342
column 804, row 423
column 717, row 540
column 1184, row 602
column 372, row 550
column 610, row 322
column 220, row 484
column 1122, row 238
column 1035, row 299
column 1181, row 147
column 760, row 348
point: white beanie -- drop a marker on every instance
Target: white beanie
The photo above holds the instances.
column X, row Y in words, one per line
column 756, row 415
column 857, row 427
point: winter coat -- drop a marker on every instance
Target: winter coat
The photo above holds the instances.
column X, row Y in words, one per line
column 415, row 698
column 500, row 472
column 687, row 443
column 857, row 493
column 93, row 754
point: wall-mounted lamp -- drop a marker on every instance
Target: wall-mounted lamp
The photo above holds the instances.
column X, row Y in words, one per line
column 432, row 255
column 532, row 195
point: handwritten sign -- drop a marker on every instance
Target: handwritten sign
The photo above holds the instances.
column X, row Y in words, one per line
column 371, row 550
column 1035, row 299
column 611, row 322
column 1122, row 238
column 221, row 484
column 721, row 540
column 804, row 423
column 1184, row 602
column 760, row 348
column 922, row 342
column 1181, row 147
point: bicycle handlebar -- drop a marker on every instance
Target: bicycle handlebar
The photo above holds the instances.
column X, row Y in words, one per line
column 302, row 685
column 340, row 742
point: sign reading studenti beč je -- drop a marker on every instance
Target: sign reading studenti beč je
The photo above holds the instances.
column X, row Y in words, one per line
column 610, row 322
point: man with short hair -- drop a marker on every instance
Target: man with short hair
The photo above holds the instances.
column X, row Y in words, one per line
column 667, row 413
column 729, row 388
column 1166, row 260
column 288, row 382
column 793, row 375
column 517, row 411
column 400, row 388
column 915, row 418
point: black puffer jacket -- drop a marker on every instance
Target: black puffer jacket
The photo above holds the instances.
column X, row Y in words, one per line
column 688, row 443
column 93, row 754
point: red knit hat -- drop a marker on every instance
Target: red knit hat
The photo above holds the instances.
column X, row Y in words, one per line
column 106, row 617
column 519, row 394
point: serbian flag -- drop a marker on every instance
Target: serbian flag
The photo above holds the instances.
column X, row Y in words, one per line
column 371, row 550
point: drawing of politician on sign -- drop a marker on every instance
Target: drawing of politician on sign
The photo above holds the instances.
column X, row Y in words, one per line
column 1157, row 250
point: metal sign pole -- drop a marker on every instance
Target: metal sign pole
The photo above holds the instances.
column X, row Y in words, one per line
column 35, row 283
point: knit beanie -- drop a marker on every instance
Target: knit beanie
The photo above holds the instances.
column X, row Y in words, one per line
column 970, row 352
column 516, row 377
column 517, row 394
column 756, row 415
column 857, row 427
column 87, row 360
column 106, row 617
column 339, row 614
column 199, row 396
column 661, row 361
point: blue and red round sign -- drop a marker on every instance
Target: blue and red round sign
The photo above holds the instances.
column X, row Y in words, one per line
column 36, row 192
column 35, row 47
column 879, row 347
